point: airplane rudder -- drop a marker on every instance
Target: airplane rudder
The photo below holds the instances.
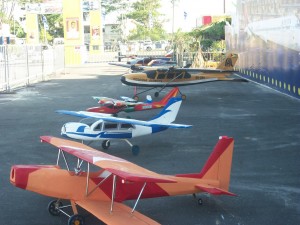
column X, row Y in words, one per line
column 218, row 165
column 167, row 97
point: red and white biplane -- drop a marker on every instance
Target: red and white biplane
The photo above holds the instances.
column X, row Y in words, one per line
column 102, row 192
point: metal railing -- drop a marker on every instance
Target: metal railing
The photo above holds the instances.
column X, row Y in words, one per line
column 23, row 65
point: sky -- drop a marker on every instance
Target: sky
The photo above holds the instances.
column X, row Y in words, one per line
column 193, row 8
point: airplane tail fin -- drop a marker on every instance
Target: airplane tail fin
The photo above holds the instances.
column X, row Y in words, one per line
column 218, row 165
column 169, row 112
column 229, row 62
column 171, row 94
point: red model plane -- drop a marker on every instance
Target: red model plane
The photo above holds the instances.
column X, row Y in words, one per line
column 114, row 106
column 101, row 192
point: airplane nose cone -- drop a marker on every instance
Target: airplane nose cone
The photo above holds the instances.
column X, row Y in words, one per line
column 63, row 130
column 19, row 175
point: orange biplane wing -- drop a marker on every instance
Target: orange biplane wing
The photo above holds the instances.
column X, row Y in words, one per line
column 120, row 167
column 121, row 215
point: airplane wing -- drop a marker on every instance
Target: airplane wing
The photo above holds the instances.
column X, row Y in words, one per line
column 84, row 114
column 103, row 98
column 120, row 167
column 120, row 64
column 142, row 123
column 121, row 214
column 110, row 118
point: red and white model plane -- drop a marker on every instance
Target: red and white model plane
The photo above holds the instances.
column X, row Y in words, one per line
column 114, row 106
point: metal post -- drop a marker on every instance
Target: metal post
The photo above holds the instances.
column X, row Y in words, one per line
column 27, row 62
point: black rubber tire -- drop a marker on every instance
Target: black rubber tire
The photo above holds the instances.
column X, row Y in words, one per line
column 135, row 150
column 105, row 144
column 53, row 207
column 76, row 220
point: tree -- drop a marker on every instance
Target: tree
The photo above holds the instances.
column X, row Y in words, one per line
column 55, row 24
column 149, row 22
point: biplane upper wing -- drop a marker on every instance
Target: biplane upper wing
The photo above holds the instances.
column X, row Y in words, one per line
column 120, row 167
column 121, row 214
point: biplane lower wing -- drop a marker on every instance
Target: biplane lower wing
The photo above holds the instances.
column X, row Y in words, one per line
column 120, row 215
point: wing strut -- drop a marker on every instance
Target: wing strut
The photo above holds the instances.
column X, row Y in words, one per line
column 63, row 154
column 104, row 179
column 137, row 200
column 87, row 179
column 113, row 193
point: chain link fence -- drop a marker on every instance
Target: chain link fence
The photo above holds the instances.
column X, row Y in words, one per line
column 23, row 65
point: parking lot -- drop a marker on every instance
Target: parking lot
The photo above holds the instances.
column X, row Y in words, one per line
column 265, row 125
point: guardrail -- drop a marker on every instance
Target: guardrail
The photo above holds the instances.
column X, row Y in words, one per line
column 23, row 65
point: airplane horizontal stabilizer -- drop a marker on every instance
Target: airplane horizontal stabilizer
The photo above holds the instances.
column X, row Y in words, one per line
column 214, row 190
column 120, row 215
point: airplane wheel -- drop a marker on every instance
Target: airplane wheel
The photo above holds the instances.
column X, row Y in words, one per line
column 53, row 207
column 135, row 150
column 105, row 144
column 156, row 94
column 76, row 220
column 136, row 97
column 183, row 97
column 200, row 201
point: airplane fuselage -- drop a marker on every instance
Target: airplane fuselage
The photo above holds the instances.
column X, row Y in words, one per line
column 52, row 181
column 171, row 78
column 105, row 131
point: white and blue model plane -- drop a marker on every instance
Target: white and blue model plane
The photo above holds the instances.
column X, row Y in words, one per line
column 107, row 128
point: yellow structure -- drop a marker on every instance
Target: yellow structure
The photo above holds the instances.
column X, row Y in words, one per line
column 75, row 50
column 95, row 32
column 32, row 29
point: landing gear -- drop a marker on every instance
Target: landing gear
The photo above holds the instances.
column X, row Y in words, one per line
column 105, row 144
column 54, row 207
column 183, row 96
column 135, row 150
column 156, row 94
column 76, row 220
column 199, row 200
column 136, row 97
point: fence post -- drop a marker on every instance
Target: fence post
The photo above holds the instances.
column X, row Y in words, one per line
column 27, row 66
column 6, row 68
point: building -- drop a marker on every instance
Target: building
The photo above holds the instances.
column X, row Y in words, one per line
column 266, row 34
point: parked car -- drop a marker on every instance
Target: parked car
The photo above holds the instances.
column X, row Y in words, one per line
column 162, row 45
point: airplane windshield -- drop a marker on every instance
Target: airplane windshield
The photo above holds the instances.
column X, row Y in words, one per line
column 151, row 74
column 110, row 125
column 187, row 75
column 88, row 121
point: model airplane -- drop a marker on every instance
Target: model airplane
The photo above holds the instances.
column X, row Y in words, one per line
column 107, row 128
column 147, row 61
column 173, row 77
column 102, row 192
column 114, row 106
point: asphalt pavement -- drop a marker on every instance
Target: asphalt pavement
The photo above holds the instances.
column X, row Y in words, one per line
column 265, row 125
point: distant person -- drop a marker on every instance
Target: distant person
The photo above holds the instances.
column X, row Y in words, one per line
column 73, row 32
